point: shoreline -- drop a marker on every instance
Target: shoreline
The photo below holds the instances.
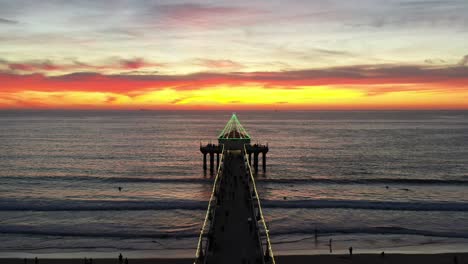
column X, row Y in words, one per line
column 396, row 258
column 296, row 249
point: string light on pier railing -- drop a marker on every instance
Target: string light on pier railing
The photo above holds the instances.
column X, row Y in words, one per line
column 200, row 239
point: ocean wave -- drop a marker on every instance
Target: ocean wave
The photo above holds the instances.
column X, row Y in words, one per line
column 368, row 205
column 175, row 180
column 120, row 179
column 378, row 230
column 414, row 181
column 99, row 205
column 307, row 231
column 191, row 180
column 24, row 230
column 142, row 205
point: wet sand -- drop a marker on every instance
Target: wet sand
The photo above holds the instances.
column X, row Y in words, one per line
column 329, row 259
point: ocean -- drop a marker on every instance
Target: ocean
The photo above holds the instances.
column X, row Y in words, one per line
column 393, row 181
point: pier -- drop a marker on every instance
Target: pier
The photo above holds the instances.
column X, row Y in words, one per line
column 212, row 150
column 255, row 150
column 234, row 229
column 234, row 136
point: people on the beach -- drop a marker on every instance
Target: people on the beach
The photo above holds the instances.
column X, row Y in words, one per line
column 120, row 189
column 382, row 254
column 36, row 261
column 126, row 260
column 330, row 245
column 120, row 258
column 350, row 251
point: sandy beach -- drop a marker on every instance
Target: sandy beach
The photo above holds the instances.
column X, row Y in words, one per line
column 448, row 258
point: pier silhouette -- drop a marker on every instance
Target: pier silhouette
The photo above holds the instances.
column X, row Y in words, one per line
column 233, row 137
column 234, row 229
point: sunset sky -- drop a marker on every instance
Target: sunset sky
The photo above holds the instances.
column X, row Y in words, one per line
column 317, row 54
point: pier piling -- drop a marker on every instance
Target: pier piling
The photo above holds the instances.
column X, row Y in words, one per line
column 204, row 161
column 256, row 162
column 211, row 161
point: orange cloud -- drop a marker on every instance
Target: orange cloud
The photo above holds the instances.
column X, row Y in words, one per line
column 361, row 86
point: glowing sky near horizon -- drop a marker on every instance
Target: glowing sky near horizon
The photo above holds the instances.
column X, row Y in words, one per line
column 327, row 54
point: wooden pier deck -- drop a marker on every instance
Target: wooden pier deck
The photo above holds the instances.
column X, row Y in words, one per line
column 235, row 237
column 234, row 229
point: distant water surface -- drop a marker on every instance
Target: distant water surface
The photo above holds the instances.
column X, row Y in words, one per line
column 372, row 179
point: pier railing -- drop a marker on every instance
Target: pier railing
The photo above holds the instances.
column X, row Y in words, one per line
column 260, row 211
column 209, row 216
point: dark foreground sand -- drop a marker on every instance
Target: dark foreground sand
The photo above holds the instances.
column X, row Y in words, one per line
column 462, row 258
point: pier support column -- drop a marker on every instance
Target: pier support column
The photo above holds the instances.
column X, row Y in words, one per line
column 256, row 162
column 250, row 159
column 204, row 161
column 264, row 161
column 217, row 160
column 211, row 161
